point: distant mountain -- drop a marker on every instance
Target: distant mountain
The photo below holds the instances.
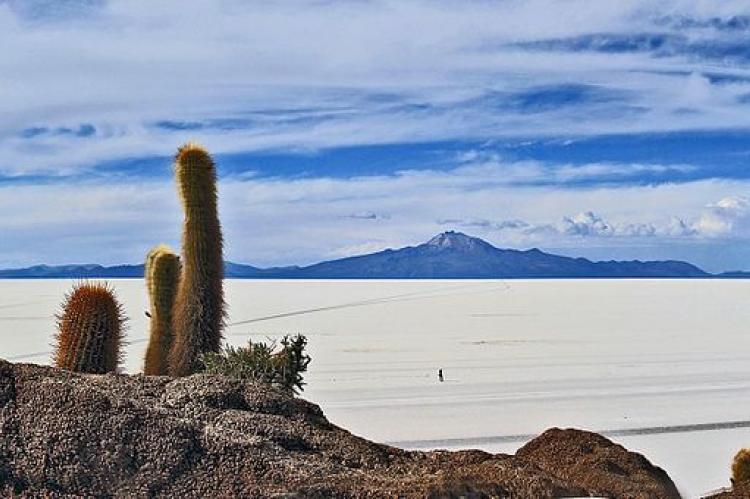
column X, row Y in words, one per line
column 73, row 271
column 117, row 271
column 450, row 255
column 453, row 255
column 734, row 274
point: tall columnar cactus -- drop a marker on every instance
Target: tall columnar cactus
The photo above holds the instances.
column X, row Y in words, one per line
column 90, row 330
column 162, row 276
column 199, row 306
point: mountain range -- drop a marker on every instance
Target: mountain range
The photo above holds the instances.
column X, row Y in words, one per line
column 450, row 255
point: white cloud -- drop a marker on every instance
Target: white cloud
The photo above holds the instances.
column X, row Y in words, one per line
column 586, row 224
column 727, row 218
column 698, row 90
column 677, row 227
column 732, row 205
column 723, row 217
column 363, row 72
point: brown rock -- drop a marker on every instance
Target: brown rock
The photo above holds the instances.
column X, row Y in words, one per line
column 64, row 434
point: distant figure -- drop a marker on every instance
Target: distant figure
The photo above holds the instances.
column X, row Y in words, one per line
column 148, row 314
column 440, row 375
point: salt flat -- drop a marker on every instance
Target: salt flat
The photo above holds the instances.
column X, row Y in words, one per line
column 663, row 365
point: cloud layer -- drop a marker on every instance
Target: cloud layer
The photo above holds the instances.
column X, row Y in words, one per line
column 727, row 217
column 343, row 127
column 88, row 82
column 282, row 221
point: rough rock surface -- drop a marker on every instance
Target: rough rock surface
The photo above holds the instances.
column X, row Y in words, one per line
column 592, row 462
column 737, row 491
column 70, row 435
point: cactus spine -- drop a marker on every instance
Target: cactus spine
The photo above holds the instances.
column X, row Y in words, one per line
column 162, row 275
column 90, row 330
column 198, row 318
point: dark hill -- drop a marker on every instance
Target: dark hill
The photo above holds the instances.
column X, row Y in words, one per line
column 453, row 255
column 450, row 255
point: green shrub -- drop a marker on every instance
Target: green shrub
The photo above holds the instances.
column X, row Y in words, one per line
column 265, row 362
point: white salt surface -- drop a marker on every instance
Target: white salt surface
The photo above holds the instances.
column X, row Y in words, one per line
column 668, row 356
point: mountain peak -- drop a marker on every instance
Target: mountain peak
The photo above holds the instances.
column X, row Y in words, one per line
column 456, row 240
column 449, row 255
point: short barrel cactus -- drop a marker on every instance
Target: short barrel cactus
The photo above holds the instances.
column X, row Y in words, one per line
column 90, row 330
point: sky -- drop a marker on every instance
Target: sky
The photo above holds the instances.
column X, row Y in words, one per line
column 610, row 130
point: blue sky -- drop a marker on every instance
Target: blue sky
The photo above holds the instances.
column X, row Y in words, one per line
column 616, row 129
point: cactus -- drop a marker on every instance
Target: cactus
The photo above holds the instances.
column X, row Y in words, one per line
column 198, row 318
column 162, row 275
column 741, row 468
column 90, row 330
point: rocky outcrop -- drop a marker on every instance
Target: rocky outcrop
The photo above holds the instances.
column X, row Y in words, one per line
column 65, row 434
column 592, row 462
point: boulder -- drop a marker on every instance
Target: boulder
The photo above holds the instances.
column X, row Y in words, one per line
column 592, row 462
